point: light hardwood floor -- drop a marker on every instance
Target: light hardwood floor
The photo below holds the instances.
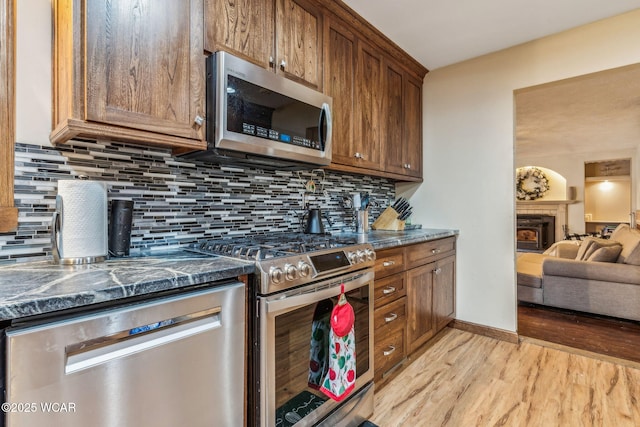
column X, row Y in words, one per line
column 465, row 379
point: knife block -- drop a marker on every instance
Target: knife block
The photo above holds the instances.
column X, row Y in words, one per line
column 388, row 220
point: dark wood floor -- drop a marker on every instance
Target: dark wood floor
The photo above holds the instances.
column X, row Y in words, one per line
column 599, row 334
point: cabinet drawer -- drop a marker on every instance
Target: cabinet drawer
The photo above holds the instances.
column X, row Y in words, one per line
column 389, row 351
column 389, row 261
column 423, row 253
column 389, row 289
column 390, row 317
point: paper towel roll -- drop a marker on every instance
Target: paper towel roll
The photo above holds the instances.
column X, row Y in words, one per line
column 82, row 211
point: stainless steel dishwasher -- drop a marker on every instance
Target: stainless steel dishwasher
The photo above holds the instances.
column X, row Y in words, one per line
column 172, row 361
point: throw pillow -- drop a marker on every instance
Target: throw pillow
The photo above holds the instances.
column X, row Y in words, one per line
column 592, row 244
column 606, row 254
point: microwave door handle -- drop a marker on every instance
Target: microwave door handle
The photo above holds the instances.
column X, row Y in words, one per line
column 325, row 117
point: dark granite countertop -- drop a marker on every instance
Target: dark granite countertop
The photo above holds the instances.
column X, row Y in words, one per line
column 381, row 239
column 28, row 289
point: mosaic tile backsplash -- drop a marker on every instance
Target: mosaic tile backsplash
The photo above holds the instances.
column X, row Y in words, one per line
column 176, row 202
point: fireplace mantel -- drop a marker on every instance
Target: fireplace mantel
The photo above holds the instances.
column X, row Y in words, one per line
column 545, row 202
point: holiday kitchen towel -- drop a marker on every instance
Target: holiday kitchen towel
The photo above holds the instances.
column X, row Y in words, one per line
column 341, row 377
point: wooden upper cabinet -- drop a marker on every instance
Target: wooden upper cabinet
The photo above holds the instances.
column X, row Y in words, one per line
column 299, row 42
column 354, row 74
column 377, row 105
column 339, row 73
column 402, row 118
column 132, row 71
column 393, row 118
column 244, row 28
column 368, row 108
column 412, row 140
column 8, row 213
column 282, row 35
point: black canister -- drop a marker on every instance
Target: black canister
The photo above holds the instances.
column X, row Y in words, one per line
column 120, row 227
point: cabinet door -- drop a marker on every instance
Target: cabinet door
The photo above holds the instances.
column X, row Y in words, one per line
column 339, row 72
column 444, row 296
column 299, row 42
column 368, row 108
column 145, row 65
column 412, row 136
column 402, row 115
column 244, row 28
column 420, row 326
column 393, row 143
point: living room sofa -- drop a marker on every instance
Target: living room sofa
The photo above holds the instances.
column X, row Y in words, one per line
column 571, row 275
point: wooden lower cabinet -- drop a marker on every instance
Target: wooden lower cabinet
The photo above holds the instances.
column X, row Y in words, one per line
column 390, row 341
column 414, row 298
column 420, row 325
column 444, row 293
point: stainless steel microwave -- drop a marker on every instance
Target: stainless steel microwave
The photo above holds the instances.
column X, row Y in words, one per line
column 258, row 118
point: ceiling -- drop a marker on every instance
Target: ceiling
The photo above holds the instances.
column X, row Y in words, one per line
column 440, row 32
column 592, row 113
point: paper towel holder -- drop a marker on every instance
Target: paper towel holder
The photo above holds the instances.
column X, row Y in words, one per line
column 55, row 237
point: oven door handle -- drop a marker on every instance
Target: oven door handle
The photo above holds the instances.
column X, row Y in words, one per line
column 290, row 301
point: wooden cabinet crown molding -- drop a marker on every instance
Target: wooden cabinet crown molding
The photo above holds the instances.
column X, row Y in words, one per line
column 8, row 213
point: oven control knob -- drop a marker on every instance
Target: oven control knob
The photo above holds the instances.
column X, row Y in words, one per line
column 360, row 256
column 304, row 269
column 276, row 274
column 352, row 257
column 290, row 272
column 370, row 254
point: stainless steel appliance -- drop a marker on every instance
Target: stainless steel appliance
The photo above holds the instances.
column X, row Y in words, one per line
column 173, row 361
column 258, row 118
column 298, row 277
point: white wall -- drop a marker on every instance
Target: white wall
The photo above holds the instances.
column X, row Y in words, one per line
column 469, row 152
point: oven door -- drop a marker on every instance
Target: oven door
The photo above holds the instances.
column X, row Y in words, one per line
column 292, row 359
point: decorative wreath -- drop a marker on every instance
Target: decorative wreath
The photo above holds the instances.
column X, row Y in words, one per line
column 531, row 184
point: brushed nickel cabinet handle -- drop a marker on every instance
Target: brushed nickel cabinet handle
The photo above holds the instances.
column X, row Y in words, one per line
column 390, row 318
column 199, row 120
column 390, row 350
column 435, row 251
column 437, row 270
column 388, row 263
column 388, row 290
column 283, row 63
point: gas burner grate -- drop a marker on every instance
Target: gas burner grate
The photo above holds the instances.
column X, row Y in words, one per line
column 263, row 247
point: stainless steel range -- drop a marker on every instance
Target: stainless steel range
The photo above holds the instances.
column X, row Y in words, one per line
column 298, row 281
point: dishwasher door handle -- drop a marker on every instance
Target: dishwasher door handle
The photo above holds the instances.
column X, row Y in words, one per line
column 130, row 342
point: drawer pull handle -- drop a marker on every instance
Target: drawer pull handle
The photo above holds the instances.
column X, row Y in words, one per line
column 437, row 270
column 388, row 263
column 388, row 290
column 390, row 318
column 389, row 351
column 435, row 251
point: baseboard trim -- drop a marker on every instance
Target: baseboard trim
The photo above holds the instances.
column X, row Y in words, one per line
column 487, row 331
